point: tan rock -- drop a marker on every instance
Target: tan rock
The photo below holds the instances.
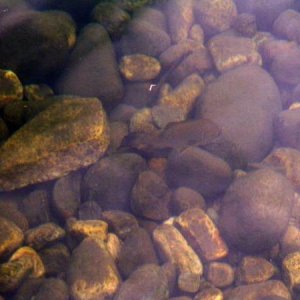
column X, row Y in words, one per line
column 290, row 241
column 254, row 270
column 229, row 52
column 174, row 248
column 202, row 234
column 210, row 294
column 142, row 121
column 70, row 134
column 291, row 269
column 11, row 236
column 87, row 228
column 184, row 96
column 220, row 274
column 11, row 88
column 114, row 245
column 139, row 67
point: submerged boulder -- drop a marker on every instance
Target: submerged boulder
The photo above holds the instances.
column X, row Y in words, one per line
column 70, row 134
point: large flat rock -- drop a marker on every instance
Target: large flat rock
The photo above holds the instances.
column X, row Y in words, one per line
column 69, row 134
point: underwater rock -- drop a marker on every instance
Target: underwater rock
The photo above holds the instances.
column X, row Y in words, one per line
column 255, row 210
column 290, row 265
column 243, row 102
column 92, row 70
column 220, row 274
column 245, row 24
column 92, row 273
column 147, row 282
column 35, row 44
column 70, row 134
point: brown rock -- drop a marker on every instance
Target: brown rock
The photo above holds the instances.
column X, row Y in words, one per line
column 37, row 92
column 55, row 259
column 290, row 241
column 150, row 197
column 198, row 169
column 291, row 267
column 185, row 198
column 11, row 236
column 180, row 18
column 197, row 34
column 87, row 228
column 170, row 271
column 123, row 113
column 202, row 234
column 92, row 272
column 89, row 210
column 270, row 288
column 118, row 131
column 136, row 251
column 220, row 274
column 148, row 281
column 254, row 270
column 43, row 235
column 174, row 248
column 66, row 195
column 118, row 170
column 142, row 121
column 114, row 245
column 215, row 16
column 77, row 137
column 165, row 114
column 229, row 52
column 120, row 222
column 139, row 67
column 209, row 294
column 11, row 87
column 248, row 209
column 137, row 94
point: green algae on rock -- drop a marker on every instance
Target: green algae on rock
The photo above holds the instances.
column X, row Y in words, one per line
column 70, row 134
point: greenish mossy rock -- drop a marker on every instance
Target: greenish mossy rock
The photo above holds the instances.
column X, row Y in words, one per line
column 70, row 134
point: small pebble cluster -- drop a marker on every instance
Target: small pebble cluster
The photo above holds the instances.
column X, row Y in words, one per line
column 149, row 150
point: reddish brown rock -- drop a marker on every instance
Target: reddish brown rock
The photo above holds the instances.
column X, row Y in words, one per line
column 220, row 274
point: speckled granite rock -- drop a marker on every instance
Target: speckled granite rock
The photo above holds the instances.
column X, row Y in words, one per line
column 70, row 134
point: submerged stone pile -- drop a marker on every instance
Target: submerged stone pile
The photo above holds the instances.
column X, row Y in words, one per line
column 150, row 150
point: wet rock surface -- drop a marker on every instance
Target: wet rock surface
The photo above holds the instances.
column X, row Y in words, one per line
column 180, row 180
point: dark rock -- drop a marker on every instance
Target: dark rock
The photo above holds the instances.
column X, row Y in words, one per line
column 136, row 251
column 150, row 197
column 11, row 237
column 118, row 131
column 120, row 222
column 42, row 235
column 198, row 169
column 35, row 43
column 215, row 16
column 68, row 135
column 287, row 24
column 170, row 271
column 272, row 289
column 92, row 70
column 52, row 288
column 265, row 11
column 89, row 210
column 28, row 288
column 36, row 207
column 243, row 102
column 66, row 195
column 123, row 113
column 255, row 210
column 287, row 128
column 185, row 198
column 148, row 281
column 37, row 92
column 118, row 170
column 245, row 24
column 92, row 273
column 4, row 131
column 55, row 259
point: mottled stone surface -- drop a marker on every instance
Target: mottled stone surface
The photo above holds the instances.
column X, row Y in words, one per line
column 254, row 270
column 174, row 248
column 92, row 273
column 11, row 236
column 215, row 16
column 248, row 209
column 270, row 288
column 148, row 281
column 139, row 67
column 291, row 269
column 245, row 24
column 229, row 52
column 11, row 88
column 37, row 92
column 202, row 234
column 39, row 237
column 70, row 134
column 220, row 274
column 209, row 294
column 179, row 14
column 290, row 241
